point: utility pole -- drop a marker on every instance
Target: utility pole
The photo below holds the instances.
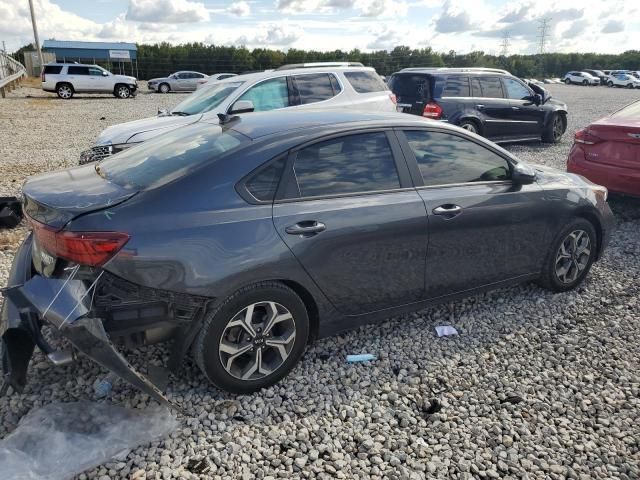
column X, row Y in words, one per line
column 35, row 31
column 505, row 44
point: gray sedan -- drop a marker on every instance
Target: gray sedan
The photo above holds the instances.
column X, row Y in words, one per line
column 177, row 82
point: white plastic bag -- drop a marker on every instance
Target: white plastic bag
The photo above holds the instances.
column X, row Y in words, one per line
column 61, row 440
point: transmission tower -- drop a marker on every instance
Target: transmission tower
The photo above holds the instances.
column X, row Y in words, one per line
column 505, row 44
column 543, row 33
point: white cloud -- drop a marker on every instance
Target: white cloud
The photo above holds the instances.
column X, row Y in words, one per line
column 273, row 35
column 167, row 11
column 239, row 9
column 386, row 39
column 366, row 8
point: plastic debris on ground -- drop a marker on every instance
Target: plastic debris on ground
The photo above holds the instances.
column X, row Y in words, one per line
column 10, row 212
column 199, row 466
column 446, row 330
column 61, row 440
column 365, row 357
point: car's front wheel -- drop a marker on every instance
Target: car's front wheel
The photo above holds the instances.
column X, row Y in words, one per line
column 630, row 85
column 123, row 91
column 567, row 81
column 254, row 338
column 164, row 88
column 555, row 129
column 585, row 83
column 571, row 256
column 610, row 83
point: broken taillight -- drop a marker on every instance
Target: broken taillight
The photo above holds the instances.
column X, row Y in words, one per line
column 86, row 248
column 583, row 136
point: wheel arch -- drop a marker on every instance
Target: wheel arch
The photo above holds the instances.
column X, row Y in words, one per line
column 593, row 219
column 63, row 82
column 311, row 305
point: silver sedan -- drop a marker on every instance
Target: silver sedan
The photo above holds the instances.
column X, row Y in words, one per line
column 178, row 82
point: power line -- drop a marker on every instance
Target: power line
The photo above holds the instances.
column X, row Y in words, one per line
column 543, row 33
column 505, row 44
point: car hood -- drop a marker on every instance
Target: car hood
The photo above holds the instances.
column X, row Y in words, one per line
column 125, row 78
column 161, row 79
column 546, row 176
column 143, row 129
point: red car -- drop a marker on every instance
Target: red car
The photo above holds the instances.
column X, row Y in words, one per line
column 607, row 152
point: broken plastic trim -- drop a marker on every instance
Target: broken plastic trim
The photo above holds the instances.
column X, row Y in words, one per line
column 65, row 303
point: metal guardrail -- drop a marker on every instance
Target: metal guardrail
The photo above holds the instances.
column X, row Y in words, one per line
column 11, row 71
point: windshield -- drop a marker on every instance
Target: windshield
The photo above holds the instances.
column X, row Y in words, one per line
column 206, row 99
column 169, row 156
column 630, row 111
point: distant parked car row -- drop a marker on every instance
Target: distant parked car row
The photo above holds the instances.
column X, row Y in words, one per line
column 184, row 81
column 611, row 78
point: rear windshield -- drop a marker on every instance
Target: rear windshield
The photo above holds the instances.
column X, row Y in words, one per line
column 365, row 82
column 630, row 111
column 169, row 156
column 411, row 85
column 53, row 69
column 205, row 99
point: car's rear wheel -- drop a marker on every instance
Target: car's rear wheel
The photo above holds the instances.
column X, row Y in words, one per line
column 567, row 81
column 64, row 91
column 254, row 338
column 164, row 88
column 571, row 256
column 555, row 129
column 630, row 85
column 122, row 91
column 470, row 126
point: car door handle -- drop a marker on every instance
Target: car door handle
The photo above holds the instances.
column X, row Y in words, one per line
column 448, row 210
column 480, row 106
column 515, row 108
column 306, row 228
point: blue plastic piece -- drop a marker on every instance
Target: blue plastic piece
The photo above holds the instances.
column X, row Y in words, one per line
column 365, row 357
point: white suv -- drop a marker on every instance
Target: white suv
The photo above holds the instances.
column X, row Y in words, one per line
column 345, row 86
column 65, row 79
column 582, row 78
column 623, row 80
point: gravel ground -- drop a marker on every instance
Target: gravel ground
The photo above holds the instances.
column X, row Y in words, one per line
column 537, row 385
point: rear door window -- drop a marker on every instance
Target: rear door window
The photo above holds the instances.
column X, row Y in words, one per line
column 314, row 87
column 456, row 86
column 491, row 87
column 350, row 164
column 445, row 159
column 74, row 70
column 268, row 95
column 476, row 89
column 365, row 82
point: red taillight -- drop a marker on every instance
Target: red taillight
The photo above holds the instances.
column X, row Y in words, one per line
column 584, row 137
column 86, row 248
column 432, row 110
column 393, row 98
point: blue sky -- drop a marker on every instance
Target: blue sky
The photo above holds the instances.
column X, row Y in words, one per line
column 462, row 25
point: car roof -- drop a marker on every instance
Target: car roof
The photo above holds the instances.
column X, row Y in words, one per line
column 260, row 124
column 453, row 70
column 256, row 76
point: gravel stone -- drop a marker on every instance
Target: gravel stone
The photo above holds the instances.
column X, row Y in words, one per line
column 572, row 358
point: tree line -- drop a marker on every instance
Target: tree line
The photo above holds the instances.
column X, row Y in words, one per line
column 164, row 58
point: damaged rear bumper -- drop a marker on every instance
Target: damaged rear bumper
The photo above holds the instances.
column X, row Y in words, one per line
column 65, row 304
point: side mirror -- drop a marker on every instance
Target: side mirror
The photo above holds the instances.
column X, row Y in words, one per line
column 242, row 106
column 523, row 174
column 105, row 74
column 537, row 99
column 163, row 112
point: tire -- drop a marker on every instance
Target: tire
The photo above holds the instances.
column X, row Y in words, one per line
column 585, row 83
column 555, row 129
column 567, row 81
column 470, row 126
column 578, row 265
column 164, row 88
column 610, row 83
column 65, row 91
column 630, row 85
column 225, row 367
column 122, row 91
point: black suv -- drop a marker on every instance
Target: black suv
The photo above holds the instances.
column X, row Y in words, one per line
column 490, row 102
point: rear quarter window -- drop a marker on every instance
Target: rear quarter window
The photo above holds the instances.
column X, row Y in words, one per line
column 53, row 69
column 456, row 86
column 365, row 82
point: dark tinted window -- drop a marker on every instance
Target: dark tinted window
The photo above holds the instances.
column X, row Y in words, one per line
column 53, row 69
column 515, row 89
column 456, row 86
column 222, row 77
column 95, row 72
column 78, row 70
column 410, row 85
column 445, row 159
column 357, row 163
column 314, row 87
column 197, row 75
column 264, row 183
column 476, row 89
column 170, row 156
column 491, row 87
column 365, row 82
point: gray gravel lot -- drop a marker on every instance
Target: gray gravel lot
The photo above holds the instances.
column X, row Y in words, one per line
column 573, row 358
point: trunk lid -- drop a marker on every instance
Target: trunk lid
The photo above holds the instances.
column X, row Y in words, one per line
column 56, row 198
column 412, row 90
column 620, row 143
